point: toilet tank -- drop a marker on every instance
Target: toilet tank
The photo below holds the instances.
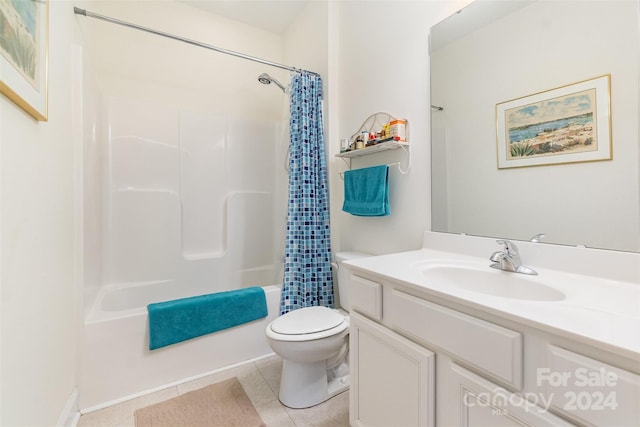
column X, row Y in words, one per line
column 341, row 277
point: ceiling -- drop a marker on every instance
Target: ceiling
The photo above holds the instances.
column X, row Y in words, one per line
column 270, row 15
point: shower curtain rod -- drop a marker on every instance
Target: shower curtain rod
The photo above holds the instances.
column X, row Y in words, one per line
column 84, row 12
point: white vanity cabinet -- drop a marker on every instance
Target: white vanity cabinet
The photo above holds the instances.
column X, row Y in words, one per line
column 422, row 360
column 393, row 378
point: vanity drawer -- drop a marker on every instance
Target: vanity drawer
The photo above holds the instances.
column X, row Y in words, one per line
column 589, row 390
column 365, row 296
column 491, row 348
column 474, row 401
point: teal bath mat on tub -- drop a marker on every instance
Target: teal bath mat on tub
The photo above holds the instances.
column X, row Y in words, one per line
column 174, row 321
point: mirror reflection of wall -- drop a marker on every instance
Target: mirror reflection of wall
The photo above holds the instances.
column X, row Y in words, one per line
column 500, row 55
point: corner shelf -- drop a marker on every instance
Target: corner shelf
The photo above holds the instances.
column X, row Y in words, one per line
column 383, row 146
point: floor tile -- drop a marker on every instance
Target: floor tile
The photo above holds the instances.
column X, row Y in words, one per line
column 274, row 415
column 256, row 387
column 332, row 413
column 271, row 370
column 121, row 414
column 261, row 382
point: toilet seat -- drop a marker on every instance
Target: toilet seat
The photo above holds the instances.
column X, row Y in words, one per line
column 306, row 324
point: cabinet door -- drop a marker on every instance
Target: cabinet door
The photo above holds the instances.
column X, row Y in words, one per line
column 593, row 392
column 392, row 378
column 477, row 402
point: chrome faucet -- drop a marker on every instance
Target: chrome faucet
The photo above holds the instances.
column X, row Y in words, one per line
column 509, row 259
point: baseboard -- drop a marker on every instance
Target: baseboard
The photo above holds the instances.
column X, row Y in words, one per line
column 70, row 414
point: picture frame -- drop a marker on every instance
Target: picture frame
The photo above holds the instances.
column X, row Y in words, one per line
column 567, row 124
column 24, row 56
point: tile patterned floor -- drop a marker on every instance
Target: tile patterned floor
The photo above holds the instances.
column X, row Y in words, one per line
column 260, row 380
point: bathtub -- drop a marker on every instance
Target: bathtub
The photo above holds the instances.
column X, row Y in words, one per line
column 116, row 363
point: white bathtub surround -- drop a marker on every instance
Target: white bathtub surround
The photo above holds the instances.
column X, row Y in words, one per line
column 117, row 363
column 204, row 202
column 190, row 201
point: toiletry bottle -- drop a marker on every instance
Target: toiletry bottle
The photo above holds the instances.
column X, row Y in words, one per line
column 364, row 135
column 344, row 145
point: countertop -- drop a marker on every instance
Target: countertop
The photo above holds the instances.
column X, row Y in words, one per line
column 597, row 311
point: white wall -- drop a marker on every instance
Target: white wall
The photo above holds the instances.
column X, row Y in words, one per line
column 306, row 40
column 383, row 65
column 90, row 162
column 39, row 297
column 131, row 63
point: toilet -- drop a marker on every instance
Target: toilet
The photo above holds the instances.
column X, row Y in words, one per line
column 314, row 345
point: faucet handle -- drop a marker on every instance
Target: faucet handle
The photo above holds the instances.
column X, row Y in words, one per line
column 510, row 248
column 509, row 259
column 538, row 238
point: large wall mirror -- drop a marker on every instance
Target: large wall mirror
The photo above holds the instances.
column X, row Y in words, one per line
column 536, row 52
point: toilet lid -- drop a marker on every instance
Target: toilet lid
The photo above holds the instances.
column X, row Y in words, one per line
column 307, row 320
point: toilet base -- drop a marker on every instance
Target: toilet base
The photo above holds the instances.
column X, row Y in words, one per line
column 303, row 385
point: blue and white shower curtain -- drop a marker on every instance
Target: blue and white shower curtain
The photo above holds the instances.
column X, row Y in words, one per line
column 307, row 268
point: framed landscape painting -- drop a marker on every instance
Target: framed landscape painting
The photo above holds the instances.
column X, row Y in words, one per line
column 564, row 125
column 23, row 54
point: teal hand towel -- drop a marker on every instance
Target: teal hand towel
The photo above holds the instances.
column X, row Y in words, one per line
column 174, row 321
column 366, row 191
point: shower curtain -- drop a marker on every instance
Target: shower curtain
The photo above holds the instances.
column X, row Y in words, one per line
column 307, row 268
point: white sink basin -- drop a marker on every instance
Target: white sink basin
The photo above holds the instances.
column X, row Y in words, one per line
column 493, row 282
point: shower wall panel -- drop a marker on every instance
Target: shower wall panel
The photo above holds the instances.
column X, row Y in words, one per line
column 191, row 194
column 144, row 145
column 145, row 235
column 252, row 155
column 203, row 178
column 251, row 250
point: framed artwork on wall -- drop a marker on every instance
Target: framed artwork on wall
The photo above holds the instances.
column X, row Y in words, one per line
column 568, row 124
column 24, row 38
